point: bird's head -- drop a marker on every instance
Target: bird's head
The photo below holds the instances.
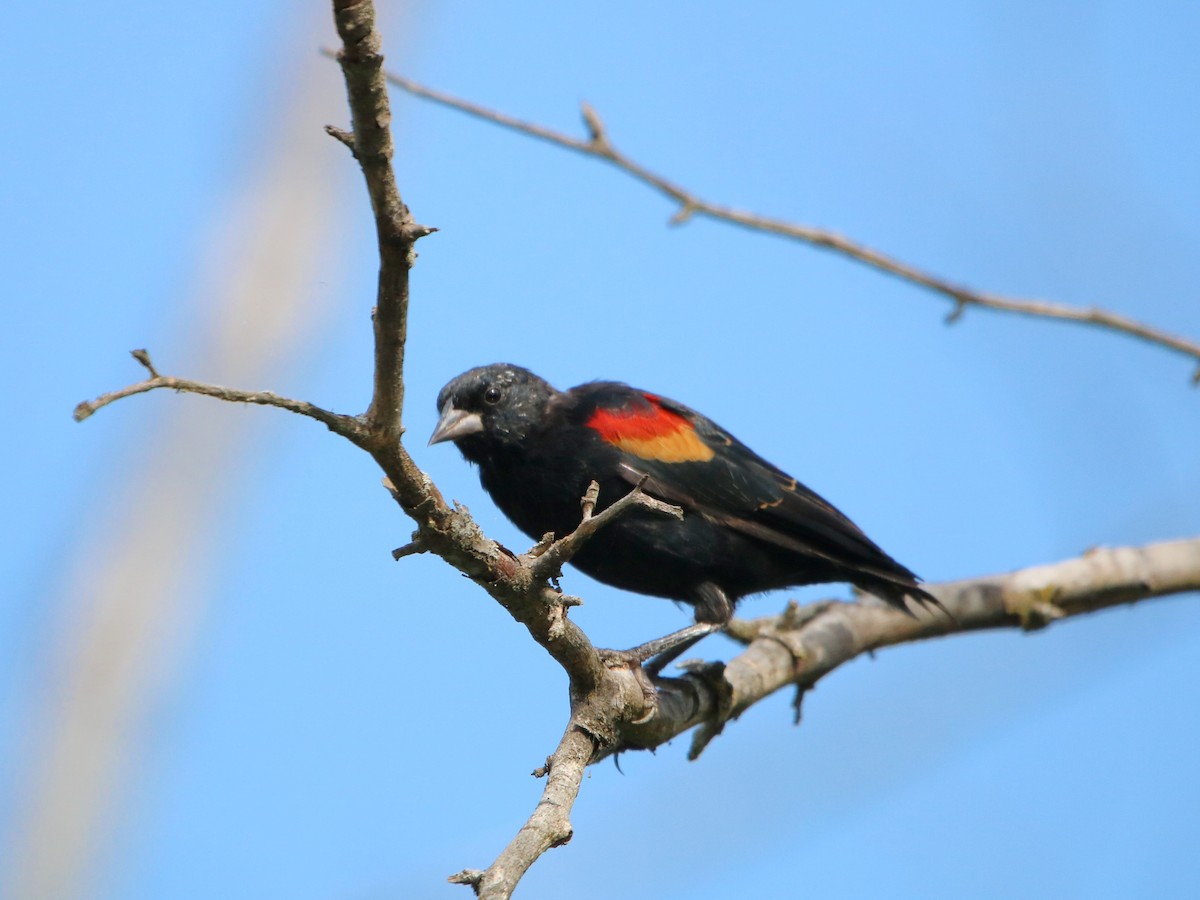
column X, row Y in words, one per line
column 490, row 408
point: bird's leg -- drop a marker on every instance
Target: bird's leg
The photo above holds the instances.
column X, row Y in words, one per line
column 657, row 650
column 713, row 611
column 679, row 643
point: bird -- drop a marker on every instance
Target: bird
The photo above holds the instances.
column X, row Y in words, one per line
column 747, row 527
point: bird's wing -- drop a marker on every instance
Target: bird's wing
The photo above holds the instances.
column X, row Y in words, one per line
column 684, row 458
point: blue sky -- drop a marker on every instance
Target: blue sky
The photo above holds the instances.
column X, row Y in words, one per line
column 330, row 724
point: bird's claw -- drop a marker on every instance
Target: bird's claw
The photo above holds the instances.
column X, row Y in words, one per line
column 630, row 659
column 647, row 660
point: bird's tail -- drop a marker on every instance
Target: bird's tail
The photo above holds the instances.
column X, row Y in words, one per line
column 898, row 592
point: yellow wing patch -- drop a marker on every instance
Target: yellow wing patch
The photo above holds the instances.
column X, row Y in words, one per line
column 683, row 445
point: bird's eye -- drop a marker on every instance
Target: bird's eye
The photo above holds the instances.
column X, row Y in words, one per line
column 492, row 395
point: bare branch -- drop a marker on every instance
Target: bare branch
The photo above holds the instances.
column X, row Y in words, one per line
column 409, row 549
column 548, row 560
column 143, row 356
column 396, row 230
column 346, row 138
column 448, row 532
column 799, row 649
column 804, row 644
column 347, row 426
column 548, row 827
column 624, row 694
column 599, row 145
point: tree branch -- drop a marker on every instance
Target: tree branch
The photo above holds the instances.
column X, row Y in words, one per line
column 547, row 561
column 599, row 145
column 548, row 827
column 801, row 646
column 799, row 649
column 347, row 426
column 395, row 228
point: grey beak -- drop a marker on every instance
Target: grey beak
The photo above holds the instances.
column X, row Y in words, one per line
column 454, row 424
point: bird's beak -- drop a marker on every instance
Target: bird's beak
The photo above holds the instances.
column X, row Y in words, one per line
column 454, row 424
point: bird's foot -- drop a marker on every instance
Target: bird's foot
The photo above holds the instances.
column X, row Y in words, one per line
column 626, row 659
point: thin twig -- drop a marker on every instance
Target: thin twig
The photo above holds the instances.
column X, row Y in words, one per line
column 396, row 230
column 347, row 426
column 143, row 356
column 599, row 145
column 346, row 138
column 548, row 560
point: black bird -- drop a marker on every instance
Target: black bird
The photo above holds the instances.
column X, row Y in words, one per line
column 747, row 526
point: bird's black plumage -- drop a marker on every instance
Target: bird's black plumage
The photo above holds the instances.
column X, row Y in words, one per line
column 747, row 526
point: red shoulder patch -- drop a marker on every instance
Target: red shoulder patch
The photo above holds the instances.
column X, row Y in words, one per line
column 651, row 433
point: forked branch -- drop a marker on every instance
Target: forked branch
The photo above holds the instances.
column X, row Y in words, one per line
column 549, row 559
column 347, row 426
column 396, row 230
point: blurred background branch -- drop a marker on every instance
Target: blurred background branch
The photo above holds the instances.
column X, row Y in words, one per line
column 133, row 591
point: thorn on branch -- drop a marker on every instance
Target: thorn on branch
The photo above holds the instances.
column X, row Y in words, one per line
column 471, row 877
column 414, row 232
column 545, row 542
column 1196, row 377
column 344, row 137
column 588, row 502
column 1037, row 608
column 390, row 488
column 798, row 701
column 713, row 674
column 143, row 356
column 960, row 306
column 683, row 214
column 1038, row 614
column 414, row 547
column 595, row 127
column 795, row 616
